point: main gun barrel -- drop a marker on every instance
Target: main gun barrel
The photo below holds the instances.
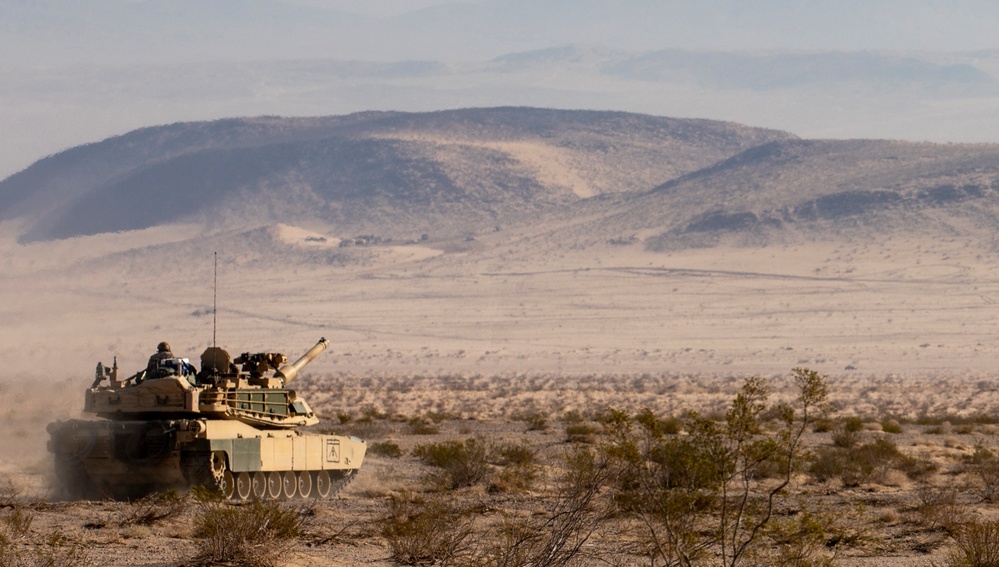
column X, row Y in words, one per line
column 289, row 371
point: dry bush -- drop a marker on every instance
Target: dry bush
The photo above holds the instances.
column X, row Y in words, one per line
column 430, row 530
column 939, row 508
column 557, row 537
column 977, row 545
column 519, row 467
column 19, row 546
column 460, row 464
column 983, row 465
column 56, row 550
column 254, row 534
column 579, row 432
column 799, row 540
column 151, row 509
column 535, row 421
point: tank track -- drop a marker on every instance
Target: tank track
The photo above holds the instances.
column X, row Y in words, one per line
column 341, row 483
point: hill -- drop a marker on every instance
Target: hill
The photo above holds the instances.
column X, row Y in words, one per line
column 455, row 170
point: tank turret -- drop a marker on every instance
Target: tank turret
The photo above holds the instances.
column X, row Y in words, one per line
column 231, row 426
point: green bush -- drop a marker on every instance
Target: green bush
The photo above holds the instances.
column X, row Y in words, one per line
column 385, row 449
column 869, row 462
column 891, row 426
column 853, row 424
column 461, row 463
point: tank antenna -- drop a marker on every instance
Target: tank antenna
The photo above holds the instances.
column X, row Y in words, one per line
column 215, row 297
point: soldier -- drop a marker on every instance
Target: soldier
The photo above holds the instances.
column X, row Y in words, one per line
column 162, row 353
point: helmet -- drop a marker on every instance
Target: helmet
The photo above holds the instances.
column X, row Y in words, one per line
column 163, row 347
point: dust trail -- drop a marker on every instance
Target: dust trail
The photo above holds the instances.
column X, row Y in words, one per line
column 27, row 405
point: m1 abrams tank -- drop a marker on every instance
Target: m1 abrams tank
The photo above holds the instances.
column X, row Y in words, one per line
column 229, row 428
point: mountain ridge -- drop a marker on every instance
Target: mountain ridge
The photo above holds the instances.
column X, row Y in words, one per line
column 381, row 165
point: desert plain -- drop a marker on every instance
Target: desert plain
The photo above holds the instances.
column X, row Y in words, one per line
column 902, row 329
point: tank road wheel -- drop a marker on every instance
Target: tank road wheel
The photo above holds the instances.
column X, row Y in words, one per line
column 274, row 485
column 290, row 484
column 227, row 485
column 259, row 485
column 244, row 485
column 305, row 484
column 323, row 484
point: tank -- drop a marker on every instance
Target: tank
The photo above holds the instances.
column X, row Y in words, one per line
column 232, row 427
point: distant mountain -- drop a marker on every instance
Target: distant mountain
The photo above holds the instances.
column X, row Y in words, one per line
column 397, row 172
column 815, row 189
column 592, row 177
column 47, row 32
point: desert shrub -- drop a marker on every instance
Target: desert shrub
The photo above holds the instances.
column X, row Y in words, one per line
column 939, row 507
column 55, row 551
column 801, row 540
column 915, row 468
column 151, row 509
column 535, row 421
column 715, row 489
column 385, row 449
column 868, row 462
column 519, row 470
column 983, row 465
column 823, row 425
column 845, row 439
column 422, row 426
column 977, row 545
column 370, row 413
column 439, row 417
column 827, row 463
column 557, row 537
column 517, row 454
column 581, row 432
column 15, row 522
column 429, row 530
column 891, row 426
column 460, row 463
column 853, row 424
column 254, row 534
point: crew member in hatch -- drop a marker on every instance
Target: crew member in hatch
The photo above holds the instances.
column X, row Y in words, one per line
column 162, row 353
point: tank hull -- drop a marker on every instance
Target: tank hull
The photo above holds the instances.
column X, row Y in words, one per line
column 129, row 459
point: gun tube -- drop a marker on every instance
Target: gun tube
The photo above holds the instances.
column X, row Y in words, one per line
column 289, row 371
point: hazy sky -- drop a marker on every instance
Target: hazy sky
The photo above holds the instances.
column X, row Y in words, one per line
column 376, row 8
column 73, row 72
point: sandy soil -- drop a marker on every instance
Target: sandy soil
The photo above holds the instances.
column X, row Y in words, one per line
column 882, row 515
column 494, row 329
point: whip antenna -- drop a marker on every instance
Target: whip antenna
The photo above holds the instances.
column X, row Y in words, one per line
column 215, row 297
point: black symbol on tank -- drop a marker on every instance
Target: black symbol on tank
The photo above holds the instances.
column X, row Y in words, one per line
column 332, row 450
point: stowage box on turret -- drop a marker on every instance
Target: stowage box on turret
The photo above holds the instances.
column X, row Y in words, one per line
column 230, row 428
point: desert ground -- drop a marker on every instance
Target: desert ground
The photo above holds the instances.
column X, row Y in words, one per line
column 477, row 338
